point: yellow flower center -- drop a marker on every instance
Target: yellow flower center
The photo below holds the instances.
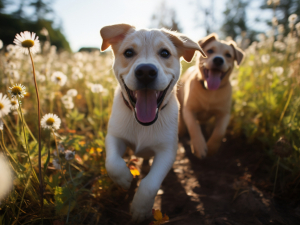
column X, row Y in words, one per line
column 27, row 43
column 50, row 121
column 1, row 106
column 16, row 90
column 13, row 102
column 58, row 78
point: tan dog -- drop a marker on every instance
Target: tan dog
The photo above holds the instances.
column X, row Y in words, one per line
column 145, row 109
column 206, row 93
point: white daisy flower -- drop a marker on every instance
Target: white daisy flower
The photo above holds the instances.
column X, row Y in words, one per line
column 66, row 99
column 1, row 44
column 69, row 105
column 14, row 104
column 97, row 88
column 4, row 105
column 265, row 58
column 18, row 90
column 44, row 32
column 72, row 92
column 14, row 74
column 26, row 40
column 10, row 48
column 77, row 75
column 59, row 78
column 50, row 121
column 293, row 18
column 69, row 155
column 40, row 77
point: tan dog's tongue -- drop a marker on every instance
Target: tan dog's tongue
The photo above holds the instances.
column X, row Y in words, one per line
column 214, row 79
column 146, row 105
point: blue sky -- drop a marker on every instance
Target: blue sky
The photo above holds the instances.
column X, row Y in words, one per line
column 81, row 20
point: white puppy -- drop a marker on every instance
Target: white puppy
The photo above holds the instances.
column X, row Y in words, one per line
column 145, row 109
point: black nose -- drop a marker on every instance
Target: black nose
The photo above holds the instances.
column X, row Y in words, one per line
column 146, row 73
column 218, row 61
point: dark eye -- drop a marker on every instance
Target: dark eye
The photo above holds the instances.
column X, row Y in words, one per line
column 165, row 53
column 228, row 55
column 129, row 53
column 209, row 51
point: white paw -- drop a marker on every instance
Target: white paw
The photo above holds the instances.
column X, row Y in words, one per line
column 119, row 172
column 141, row 207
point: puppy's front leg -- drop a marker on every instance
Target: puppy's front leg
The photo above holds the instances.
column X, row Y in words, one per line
column 198, row 144
column 115, row 164
column 219, row 132
column 144, row 198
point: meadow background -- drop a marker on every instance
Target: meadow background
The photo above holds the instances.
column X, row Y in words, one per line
column 265, row 111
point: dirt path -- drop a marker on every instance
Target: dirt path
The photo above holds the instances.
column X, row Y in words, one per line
column 233, row 187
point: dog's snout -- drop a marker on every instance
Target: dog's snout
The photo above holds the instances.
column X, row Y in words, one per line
column 218, row 61
column 146, row 73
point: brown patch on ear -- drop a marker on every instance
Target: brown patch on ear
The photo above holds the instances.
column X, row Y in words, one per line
column 239, row 54
column 207, row 39
column 186, row 46
column 113, row 34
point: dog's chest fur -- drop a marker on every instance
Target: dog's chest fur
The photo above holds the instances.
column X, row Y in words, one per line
column 140, row 138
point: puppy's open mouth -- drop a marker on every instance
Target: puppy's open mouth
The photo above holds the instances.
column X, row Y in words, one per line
column 146, row 103
column 213, row 78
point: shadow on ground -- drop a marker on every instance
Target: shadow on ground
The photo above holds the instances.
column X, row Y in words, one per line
column 232, row 187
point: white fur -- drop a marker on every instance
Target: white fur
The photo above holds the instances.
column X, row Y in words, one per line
column 6, row 179
column 159, row 139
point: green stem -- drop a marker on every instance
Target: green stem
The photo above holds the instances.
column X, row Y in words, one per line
column 28, row 129
column 276, row 175
column 13, row 140
column 27, row 184
column 25, row 139
column 7, row 149
column 40, row 132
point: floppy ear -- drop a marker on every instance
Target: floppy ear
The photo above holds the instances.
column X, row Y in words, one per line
column 186, row 46
column 113, row 34
column 207, row 39
column 239, row 54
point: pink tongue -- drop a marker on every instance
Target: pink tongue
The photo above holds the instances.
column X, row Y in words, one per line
column 214, row 79
column 146, row 105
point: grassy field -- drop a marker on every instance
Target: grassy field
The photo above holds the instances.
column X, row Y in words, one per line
column 79, row 88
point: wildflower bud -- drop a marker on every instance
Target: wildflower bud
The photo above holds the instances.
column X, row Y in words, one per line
column 293, row 18
column 44, row 31
column 280, row 28
column 69, row 155
column 282, row 148
column 274, row 21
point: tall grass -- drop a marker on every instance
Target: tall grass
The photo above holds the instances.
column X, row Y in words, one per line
column 267, row 102
column 71, row 186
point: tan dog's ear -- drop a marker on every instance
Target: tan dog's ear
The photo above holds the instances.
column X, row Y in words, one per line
column 113, row 34
column 239, row 54
column 186, row 46
column 207, row 39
